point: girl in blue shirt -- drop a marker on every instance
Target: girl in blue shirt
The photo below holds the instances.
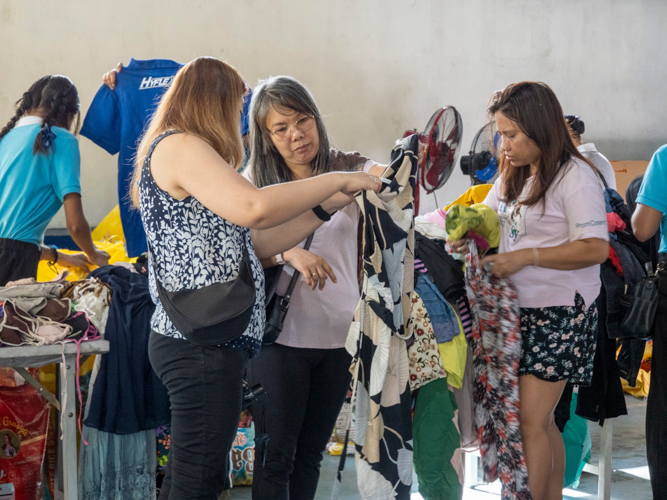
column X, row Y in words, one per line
column 39, row 173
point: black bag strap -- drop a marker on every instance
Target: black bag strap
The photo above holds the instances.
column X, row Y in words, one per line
column 296, row 275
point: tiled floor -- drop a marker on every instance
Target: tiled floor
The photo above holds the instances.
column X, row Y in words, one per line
column 629, row 477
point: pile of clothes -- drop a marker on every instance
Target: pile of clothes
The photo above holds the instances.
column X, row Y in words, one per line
column 441, row 372
column 41, row 313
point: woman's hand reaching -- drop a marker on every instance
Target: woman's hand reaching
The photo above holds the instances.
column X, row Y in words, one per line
column 75, row 260
column 459, row 246
column 99, row 258
column 353, row 182
column 314, row 268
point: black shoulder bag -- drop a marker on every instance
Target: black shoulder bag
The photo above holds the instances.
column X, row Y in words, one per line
column 641, row 304
column 277, row 308
column 214, row 314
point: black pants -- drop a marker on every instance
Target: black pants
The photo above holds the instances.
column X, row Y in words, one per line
column 305, row 389
column 205, row 386
column 656, row 408
column 18, row 260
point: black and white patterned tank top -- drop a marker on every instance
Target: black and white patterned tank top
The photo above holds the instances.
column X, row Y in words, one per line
column 193, row 248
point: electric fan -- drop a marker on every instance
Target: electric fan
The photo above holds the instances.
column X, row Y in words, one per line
column 481, row 164
column 440, row 140
column 439, row 146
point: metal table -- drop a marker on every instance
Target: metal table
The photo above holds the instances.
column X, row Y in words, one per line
column 31, row 356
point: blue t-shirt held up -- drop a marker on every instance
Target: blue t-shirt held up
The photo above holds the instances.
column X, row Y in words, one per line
column 116, row 120
column 34, row 185
column 653, row 189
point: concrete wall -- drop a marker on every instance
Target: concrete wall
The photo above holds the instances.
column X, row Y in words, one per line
column 376, row 67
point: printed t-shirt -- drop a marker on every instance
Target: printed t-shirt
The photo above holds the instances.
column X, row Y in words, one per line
column 320, row 319
column 653, row 189
column 574, row 210
column 117, row 118
column 115, row 121
column 34, row 185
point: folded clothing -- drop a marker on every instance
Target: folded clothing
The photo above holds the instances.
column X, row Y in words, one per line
column 443, row 318
column 57, row 310
column 19, row 327
column 446, row 273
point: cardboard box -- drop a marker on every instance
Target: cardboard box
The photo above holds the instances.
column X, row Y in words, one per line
column 626, row 171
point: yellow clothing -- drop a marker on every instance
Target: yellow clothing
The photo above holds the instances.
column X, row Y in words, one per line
column 641, row 388
column 453, row 355
column 479, row 218
column 476, row 194
column 643, row 384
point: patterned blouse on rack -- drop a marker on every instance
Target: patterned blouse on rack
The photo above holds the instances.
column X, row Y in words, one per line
column 193, row 248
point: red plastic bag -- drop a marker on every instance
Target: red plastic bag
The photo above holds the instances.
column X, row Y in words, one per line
column 24, row 417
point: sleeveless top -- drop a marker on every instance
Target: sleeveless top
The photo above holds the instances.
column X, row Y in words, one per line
column 194, row 247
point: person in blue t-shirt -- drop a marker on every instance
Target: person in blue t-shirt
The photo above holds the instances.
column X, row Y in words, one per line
column 651, row 215
column 651, row 212
column 39, row 173
column 116, row 120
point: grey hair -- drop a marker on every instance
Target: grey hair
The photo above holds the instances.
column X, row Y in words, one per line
column 281, row 92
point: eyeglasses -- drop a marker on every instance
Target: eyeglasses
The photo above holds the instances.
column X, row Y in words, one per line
column 303, row 124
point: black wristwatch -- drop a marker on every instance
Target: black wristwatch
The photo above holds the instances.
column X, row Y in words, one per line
column 322, row 214
column 55, row 259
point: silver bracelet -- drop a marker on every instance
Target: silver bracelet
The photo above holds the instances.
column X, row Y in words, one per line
column 536, row 258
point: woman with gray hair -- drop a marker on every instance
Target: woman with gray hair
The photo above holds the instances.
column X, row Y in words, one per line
column 306, row 371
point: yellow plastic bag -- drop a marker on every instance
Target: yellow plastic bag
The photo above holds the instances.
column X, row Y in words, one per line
column 474, row 195
column 107, row 236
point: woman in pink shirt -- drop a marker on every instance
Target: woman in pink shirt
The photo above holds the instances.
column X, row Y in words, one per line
column 306, row 372
column 554, row 235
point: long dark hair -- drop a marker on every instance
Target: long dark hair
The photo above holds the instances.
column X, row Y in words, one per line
column 61, row 100
column 533, row 106
column 283, row 93
column 204, row 100
column 28, row 101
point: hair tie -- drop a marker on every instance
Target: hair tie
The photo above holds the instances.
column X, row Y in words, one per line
column 48, row 136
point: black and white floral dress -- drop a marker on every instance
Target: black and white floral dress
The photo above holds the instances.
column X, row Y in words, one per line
column 193, row 247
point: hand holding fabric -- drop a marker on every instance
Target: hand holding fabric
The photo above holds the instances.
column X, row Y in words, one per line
column 77, row 260
column 504, row 265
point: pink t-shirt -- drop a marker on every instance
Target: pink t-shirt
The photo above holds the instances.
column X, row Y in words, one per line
column 321, row 319
column 574, row 210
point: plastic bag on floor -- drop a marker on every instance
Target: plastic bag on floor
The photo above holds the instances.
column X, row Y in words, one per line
column 24, row 416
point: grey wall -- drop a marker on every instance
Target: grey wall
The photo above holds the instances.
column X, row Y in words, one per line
column 376, row 67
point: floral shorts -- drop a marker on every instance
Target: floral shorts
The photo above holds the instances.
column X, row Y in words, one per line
column 558, row 343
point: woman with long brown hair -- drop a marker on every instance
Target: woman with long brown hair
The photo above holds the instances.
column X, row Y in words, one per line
column 202, row 219
column 553, row 222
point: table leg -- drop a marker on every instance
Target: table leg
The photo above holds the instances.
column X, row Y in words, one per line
column 604, row 478
column 68, row 418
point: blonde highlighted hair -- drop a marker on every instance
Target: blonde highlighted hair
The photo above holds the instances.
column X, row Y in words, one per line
column 205, row 100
